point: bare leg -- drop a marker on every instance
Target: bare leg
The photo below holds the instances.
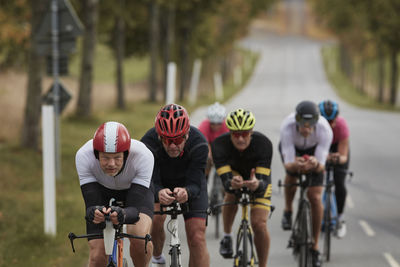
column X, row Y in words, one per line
column 261, row 235
column 290, row 192
column 97, row 254
column 141, row 228
column 196, row 238
column 229, row 212
column 157, row 232
column 314, row 196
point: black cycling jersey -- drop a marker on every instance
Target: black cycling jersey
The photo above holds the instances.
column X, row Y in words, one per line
column 228, row 159
column 186, row 170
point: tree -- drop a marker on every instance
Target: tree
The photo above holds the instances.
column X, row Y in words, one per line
column 90, row 16
column 31, row 126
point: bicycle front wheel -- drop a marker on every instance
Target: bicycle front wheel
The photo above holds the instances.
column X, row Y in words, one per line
column 304, row 257
column 175, row 257
column 327, row 226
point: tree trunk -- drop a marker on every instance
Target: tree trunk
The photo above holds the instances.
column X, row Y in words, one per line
column 120, row 54
column 381, row 73
column 362, row 74
column 154, row 41
column 169, row 37
column 31, row 126
column 184, row 66
column 90, row 10
column 394, row 76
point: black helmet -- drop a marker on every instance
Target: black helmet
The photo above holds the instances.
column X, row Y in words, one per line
column 307, row 112
column 329, row 109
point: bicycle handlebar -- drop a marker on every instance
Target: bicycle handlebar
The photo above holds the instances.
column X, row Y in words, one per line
column 118, row 235
column 175, row 209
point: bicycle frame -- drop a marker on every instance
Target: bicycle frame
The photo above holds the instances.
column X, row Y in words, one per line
column 244, row 233
column 175, row 209
column 112, row 234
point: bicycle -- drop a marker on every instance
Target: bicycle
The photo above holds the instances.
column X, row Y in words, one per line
column 113, row 240
column 301, row 239
column 216, row 196
column 245, row 254
column 330, row 216
column 173, row 210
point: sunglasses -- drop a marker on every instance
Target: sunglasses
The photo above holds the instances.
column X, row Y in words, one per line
column 177, row 140
column 238, row 134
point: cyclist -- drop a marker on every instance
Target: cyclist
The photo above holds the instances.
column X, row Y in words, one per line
column 304, row 132
column 112, row 165
column 212, row 127
column 243, row 159
column 339, row 156
column 180, row 153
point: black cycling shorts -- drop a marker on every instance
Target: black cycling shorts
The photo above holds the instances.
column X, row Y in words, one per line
column 317, row 178
column 142, row 197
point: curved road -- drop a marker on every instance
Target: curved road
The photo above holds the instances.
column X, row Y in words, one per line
column 291, row 70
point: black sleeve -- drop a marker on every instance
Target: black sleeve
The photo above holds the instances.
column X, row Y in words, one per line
column 220, row 159
column 91, row 193
column 263, row 165
column 195, row 172
column 150, row 139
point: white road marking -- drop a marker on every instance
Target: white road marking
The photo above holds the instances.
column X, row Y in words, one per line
column 392, row 262
column 349, row 202
column 367, row 229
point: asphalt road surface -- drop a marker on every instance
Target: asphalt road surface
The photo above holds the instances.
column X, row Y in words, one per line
column 290, row 70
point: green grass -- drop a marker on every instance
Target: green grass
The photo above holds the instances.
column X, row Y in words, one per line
column 343, row 85
column 23, row 242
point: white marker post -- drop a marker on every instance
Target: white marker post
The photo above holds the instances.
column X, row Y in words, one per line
column 49, row 171
column 218, row 86
column 194, row 83
column 171, row 80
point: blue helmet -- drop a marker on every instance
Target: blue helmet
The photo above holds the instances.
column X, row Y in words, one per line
column 329, row 109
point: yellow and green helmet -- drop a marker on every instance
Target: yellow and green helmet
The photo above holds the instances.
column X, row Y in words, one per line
column 240, row 120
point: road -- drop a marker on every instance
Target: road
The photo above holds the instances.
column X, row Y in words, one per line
column 290, row 70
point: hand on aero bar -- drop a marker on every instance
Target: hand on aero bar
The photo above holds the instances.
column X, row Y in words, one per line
column 181, row 194
column 166, row 196
column 306, row 163
column 237, row 182
column 253, row 183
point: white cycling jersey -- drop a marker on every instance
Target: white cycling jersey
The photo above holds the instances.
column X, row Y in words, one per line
column 138, row 167
column 291, row 139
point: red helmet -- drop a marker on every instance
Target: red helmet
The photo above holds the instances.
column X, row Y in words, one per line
column 172, row 121
column 111, row 137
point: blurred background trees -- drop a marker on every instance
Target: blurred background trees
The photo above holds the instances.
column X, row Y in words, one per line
column 369, row 37
column 162, row 31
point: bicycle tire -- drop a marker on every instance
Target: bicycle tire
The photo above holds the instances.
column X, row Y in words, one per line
column 304, row 257
column 245, row 248
column 174, row 257
column 327, row 226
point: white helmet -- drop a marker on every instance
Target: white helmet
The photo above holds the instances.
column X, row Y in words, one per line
column 216, row 113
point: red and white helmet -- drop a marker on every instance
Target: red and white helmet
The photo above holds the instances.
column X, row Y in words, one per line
column 172, row 121
column 111, row 137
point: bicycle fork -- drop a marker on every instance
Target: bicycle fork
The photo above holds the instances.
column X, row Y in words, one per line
column 175, row 247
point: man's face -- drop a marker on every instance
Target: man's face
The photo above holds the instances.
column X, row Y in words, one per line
column 215, row 127
column 174, row 146
column 111, row 163
column 241, row 139
column 306, row 129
